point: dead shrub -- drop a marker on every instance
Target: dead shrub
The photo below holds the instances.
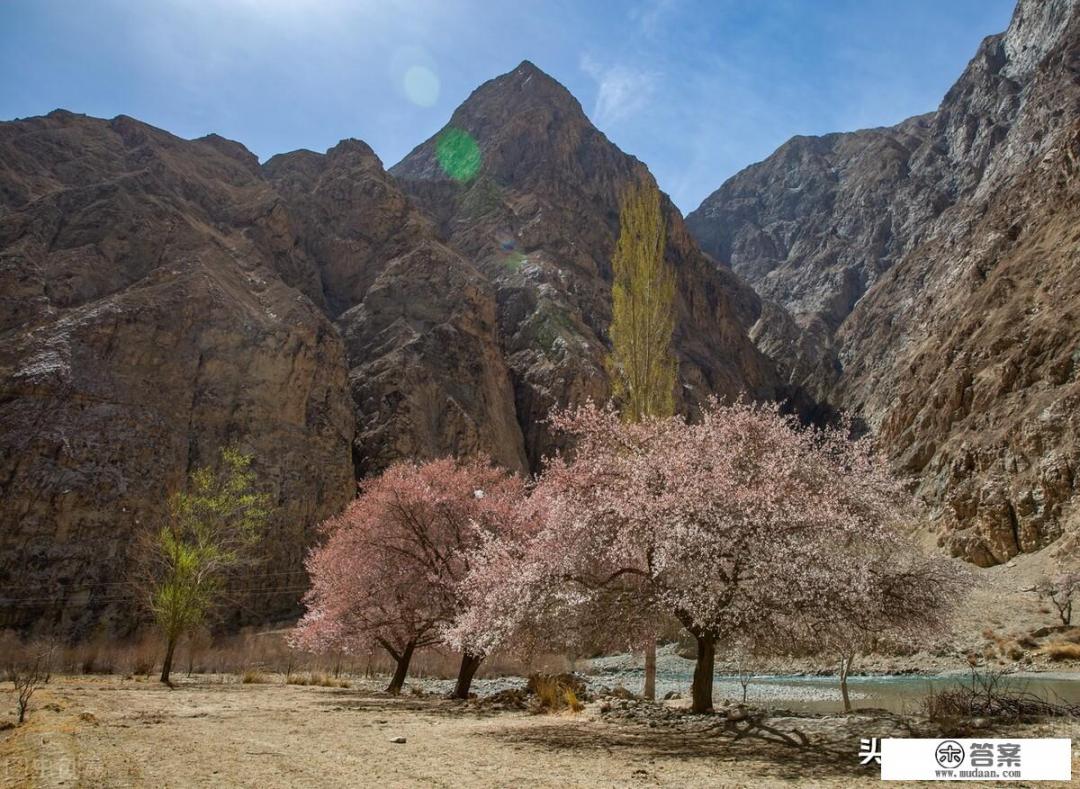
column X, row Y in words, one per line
column 987, row 695
column 27, row 674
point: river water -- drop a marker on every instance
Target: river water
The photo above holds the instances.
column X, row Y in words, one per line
column 821, row 694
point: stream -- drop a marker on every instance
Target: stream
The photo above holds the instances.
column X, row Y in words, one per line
column 821, row 694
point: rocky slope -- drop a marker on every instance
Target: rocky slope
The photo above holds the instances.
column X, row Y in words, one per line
column 163, row 297
column 528, row 189
column 929, row 274
column 427, row 375
column 144, row 325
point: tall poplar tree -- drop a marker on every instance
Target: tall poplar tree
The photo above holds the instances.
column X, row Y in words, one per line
column 641, row 364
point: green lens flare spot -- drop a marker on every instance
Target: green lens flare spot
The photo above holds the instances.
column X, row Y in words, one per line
column 458, row 154
column 513, row 261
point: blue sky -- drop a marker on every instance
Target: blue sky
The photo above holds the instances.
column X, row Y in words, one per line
column 697, row 90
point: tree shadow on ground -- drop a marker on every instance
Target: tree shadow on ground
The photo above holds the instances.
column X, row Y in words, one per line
column 367, row 701
column 833, row 754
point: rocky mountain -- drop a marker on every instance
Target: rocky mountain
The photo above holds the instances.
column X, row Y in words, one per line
column 145, row 323
column 924, row 276
column 161, row 298
column 528, row 189
column 427, row 375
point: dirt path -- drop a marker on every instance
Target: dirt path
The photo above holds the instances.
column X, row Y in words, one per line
column 105, row 732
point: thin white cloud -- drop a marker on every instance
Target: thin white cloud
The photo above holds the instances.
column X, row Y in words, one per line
column 649, row 15
column 621, row 93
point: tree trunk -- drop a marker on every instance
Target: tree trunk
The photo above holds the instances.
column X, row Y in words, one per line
column 469, row 665
column 166, row 667
column 649, row 691
column 398, row 680
column 701, row 690
column 845, row 667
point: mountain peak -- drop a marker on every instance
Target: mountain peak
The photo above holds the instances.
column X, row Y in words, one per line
column 522, row 110
column 527, row 86
column 527, row 66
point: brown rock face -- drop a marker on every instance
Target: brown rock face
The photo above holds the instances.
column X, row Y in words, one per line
column 522, row 184
column 931, row 268
column 427, row 375
column 162, row 298
column 144, row 326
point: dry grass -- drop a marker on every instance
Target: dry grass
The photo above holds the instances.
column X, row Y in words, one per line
column 256, row 649
column 1003, row 646
column 254, row 676
column 548, row 692
column 1062, row 651
column 283, row 736
column 554, row 693
column 318, row 678
column 572, row 701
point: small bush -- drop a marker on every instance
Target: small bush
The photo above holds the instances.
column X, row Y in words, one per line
column 253, row 676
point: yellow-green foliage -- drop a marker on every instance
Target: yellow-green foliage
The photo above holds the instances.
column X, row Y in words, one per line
column 209, row 530
column 641, row 364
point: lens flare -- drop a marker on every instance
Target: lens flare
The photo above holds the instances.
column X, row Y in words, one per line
column 421, row 86
column 458, row 154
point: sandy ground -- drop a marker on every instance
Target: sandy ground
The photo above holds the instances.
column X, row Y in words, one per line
column 108, row 731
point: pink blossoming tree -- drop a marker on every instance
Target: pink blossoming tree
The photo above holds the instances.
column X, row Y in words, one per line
column 389, row 571
column 906, row 602
column 736, row 525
